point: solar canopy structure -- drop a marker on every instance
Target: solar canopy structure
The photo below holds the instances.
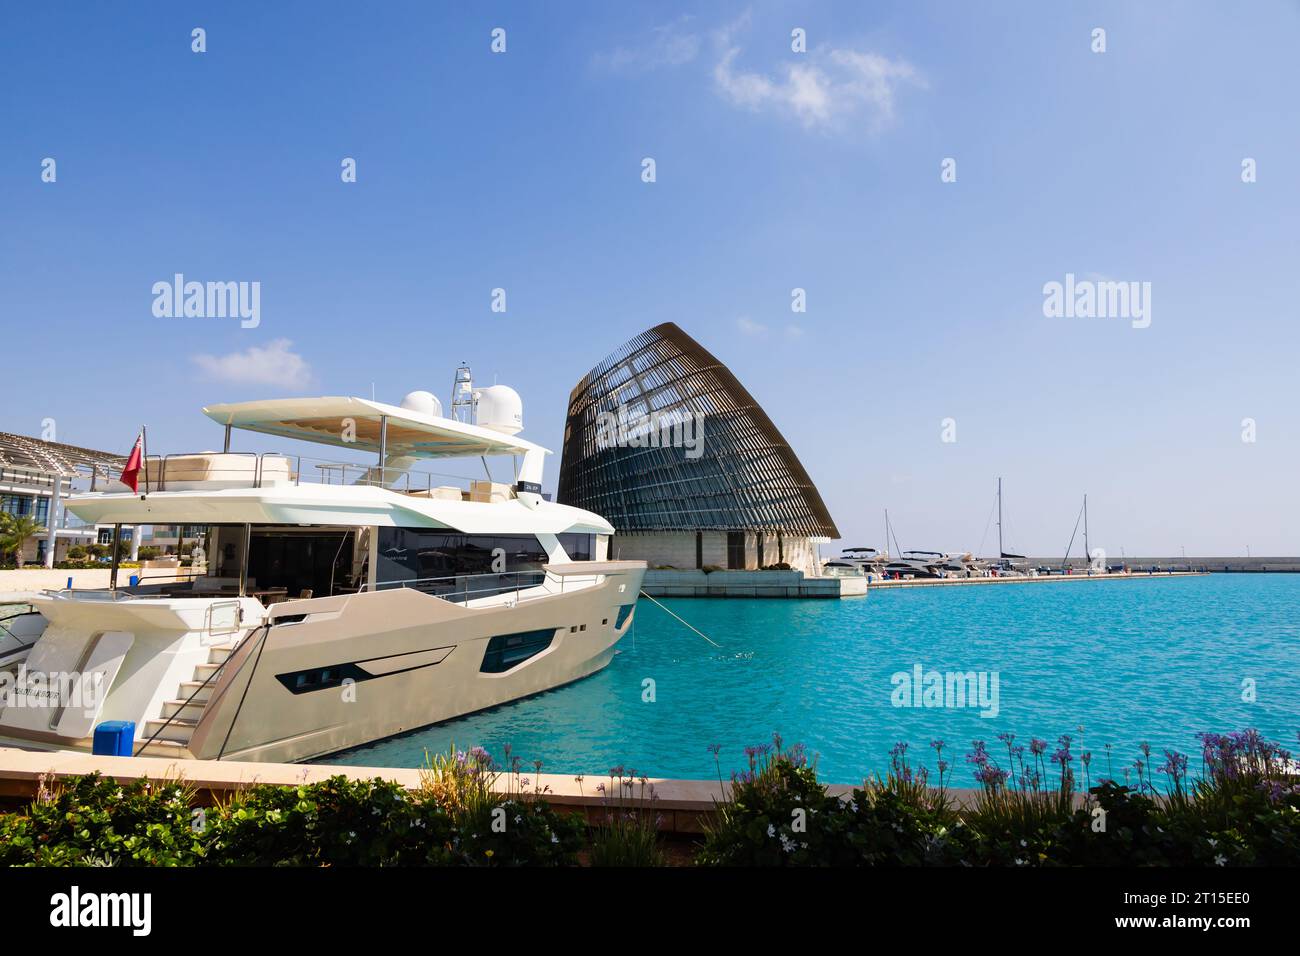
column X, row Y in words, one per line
column 18, row 452
column 661, row 436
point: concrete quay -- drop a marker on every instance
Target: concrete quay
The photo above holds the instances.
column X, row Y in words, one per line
column 749, row 584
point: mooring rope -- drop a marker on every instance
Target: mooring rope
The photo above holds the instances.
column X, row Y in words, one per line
column 687, row 624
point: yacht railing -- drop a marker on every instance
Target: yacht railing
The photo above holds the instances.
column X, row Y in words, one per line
column 463, row 588
column 9, row 611
column 316, row 471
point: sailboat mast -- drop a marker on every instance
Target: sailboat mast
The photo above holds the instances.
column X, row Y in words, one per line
column 1087, row 553
column 999, row 519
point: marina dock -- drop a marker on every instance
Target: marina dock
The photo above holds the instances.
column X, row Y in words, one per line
column 1040, row 579
column 794, row 584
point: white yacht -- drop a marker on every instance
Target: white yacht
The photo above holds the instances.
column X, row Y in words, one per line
column 917, row 564
column 964, row 565
column 854, row 561
column 328, row 604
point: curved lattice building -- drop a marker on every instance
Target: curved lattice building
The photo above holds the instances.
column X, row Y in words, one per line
column 667, row 445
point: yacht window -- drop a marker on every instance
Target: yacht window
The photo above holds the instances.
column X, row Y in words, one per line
column 407, row 554
column 509, row 650
column 579, row 547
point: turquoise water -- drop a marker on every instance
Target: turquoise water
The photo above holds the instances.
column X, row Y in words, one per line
column 1156, row 660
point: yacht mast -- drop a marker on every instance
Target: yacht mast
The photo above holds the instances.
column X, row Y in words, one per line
column 999, row 519
column 462, row 395
column 1087, row 554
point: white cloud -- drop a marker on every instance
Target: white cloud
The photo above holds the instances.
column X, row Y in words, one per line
column 826, row 88
column 669, row 45
column 758, row 330
column 273, row 364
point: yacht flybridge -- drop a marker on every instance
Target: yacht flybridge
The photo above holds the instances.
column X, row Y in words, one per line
column 327, row 604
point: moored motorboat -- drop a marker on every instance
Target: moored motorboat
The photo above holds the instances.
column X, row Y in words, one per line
column 327, row 604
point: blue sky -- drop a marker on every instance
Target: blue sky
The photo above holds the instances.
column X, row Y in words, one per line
column 775, row 170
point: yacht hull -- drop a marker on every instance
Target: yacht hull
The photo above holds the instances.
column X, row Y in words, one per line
column 326, row 674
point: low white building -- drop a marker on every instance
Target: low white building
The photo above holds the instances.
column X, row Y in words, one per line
column 36, row 475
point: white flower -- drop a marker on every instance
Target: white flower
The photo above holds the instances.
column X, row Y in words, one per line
column 771, row 830
column 1220, row 860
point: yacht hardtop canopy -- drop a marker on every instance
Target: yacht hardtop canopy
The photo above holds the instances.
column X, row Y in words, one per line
column 356, row 423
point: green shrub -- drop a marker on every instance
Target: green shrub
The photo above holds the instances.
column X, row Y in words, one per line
column 338, row 822
column 498, row 820
column 903, row 820
column 777, row 815
column 92, row 820
column 627, row 832
column 145, row 822
column 1244, row 811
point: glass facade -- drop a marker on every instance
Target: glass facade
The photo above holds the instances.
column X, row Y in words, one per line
column 27, row 506
column 662, row 437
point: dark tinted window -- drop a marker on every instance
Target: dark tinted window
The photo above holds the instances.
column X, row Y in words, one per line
column 406, row 553
column 579, row 547
column 509, row 650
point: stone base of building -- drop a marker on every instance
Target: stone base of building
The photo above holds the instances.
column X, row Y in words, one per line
column 749, row 584
column 725, row 550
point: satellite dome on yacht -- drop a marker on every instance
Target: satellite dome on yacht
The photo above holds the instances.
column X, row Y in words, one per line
column 499, row 408
column 426, row 403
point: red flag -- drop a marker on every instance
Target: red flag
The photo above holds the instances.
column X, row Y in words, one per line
column 131, row 473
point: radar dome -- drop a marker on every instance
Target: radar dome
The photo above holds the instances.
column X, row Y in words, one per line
column 423, row 403
column 500, row 408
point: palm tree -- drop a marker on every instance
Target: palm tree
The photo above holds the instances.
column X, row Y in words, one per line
column 14, row 532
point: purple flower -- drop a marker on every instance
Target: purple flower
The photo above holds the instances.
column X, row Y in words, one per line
column 991, row 776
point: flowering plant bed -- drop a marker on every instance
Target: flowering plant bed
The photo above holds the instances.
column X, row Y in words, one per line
column 1242, row 810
